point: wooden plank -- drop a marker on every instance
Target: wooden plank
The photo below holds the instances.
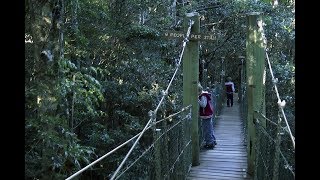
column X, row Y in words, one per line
column 234, row 158
column 217, row 168
column 213, row 175
column 227, row 156
column 225, row 153
column 224, row 157
column 220, row 168
column 221, row 174
column 231, row 159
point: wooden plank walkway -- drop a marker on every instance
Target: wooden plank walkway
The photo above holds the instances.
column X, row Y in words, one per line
column 228, row 160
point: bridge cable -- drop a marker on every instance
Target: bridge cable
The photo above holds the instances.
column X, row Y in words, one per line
column 177, row 159
column 148, row 124
column 121, row 145
column 102, row 157
column 280, row 103
column 273, row 123
column 174, row 114
column 287, row 165
column 264, row 117
column 188, row 116
column 153, row 113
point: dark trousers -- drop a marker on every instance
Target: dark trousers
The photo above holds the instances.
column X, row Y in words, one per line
column 229, row 99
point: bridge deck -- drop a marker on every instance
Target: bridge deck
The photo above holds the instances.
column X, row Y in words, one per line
column 228, row 160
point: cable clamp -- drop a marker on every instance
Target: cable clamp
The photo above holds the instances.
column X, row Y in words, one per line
column 282, row 103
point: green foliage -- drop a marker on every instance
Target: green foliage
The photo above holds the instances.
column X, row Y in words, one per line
column 51, row 150
column 113, row 66
column 143, row 32
column 97, row 136
column 83, row 84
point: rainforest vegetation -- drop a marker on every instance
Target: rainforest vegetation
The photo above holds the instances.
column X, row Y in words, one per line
column 95, row 68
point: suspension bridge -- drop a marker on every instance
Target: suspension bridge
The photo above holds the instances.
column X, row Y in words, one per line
column 249, row 144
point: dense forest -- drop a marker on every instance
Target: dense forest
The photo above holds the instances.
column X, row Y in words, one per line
column 95, row 68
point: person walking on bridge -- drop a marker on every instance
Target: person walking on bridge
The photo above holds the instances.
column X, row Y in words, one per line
column 229, row 90
column 206, row 113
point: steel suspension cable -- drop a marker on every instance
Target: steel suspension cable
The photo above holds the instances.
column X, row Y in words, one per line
column 102, row 157
column 269, row 120
column 118, row 147
column 121, row 145
column 281, row 104
column 270, row 138
column 152, row 145
column 264, row 117
column 153, row 113
column 174, row 114
column 177, row 159
column 264, row 131
column 134, row 162
column 287, row 166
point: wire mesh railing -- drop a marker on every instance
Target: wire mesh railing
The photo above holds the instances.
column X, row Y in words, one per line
column 168, row 157
column 274, row 160
column 275, row 147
